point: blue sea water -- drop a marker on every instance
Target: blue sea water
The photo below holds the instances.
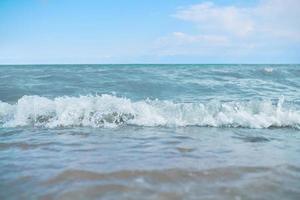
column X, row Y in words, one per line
column 150, row 132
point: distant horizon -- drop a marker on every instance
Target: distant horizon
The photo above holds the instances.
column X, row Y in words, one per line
column 151, row 64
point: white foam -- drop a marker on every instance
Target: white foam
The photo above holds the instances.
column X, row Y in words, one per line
column 112, row 111
column 268, row 69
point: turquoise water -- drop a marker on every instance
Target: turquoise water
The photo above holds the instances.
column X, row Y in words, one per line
column 150, row 131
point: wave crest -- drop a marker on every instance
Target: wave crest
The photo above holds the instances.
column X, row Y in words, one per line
column 111, row 111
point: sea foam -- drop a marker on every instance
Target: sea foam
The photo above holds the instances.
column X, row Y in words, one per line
column 112, row 111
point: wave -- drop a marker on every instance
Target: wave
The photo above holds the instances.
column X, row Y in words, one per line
column 268, row 69
column 112, row 111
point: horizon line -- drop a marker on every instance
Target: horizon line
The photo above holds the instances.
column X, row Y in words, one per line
column 11, row 64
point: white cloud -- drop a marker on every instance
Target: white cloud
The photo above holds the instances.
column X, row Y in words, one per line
column 211, row 18
column 179, row 43
column 279, row 18
column 268, row 16
column 270, row 25
column 180, row 38
column 182, row 43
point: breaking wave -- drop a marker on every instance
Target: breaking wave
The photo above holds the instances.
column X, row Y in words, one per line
column 112, row 111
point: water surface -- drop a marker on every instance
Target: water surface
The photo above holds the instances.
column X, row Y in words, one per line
column 150, row 132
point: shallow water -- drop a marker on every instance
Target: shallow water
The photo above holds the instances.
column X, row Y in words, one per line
column 150, row 132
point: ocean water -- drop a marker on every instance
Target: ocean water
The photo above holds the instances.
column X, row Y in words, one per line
column 150, row 132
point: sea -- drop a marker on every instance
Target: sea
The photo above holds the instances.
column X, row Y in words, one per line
column 150, row 131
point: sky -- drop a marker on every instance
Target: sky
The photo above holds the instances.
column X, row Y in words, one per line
column 144, row 31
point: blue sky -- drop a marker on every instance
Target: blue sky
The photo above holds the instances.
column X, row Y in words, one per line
column 140, row 31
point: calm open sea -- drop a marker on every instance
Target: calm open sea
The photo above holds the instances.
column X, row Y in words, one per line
column 150, row 132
